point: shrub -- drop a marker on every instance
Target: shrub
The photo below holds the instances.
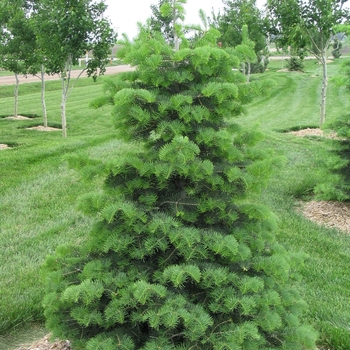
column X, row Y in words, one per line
column 295, row 64
column 336, row 183
column 337, row 46
column 183, row 255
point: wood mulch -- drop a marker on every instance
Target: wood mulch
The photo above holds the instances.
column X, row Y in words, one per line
column 314, row 132
column 43, row 128
column 45, row 344
column 3, row 146
column 18, row 117
column 328, row 213
column 39, row 127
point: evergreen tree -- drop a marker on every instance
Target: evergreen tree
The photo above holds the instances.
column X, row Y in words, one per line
column 182, row 256
column 336, row 170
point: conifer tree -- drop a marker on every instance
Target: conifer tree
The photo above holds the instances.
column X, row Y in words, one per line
column 182, row 255
column 335, row 183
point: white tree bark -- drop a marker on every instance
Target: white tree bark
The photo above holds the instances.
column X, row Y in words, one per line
column 320, row 53
column 16, row 95
column 324, row 88
column 248, row 71
column 63, row 109
column 65, row 78
column 176, row 38
column 43, row 103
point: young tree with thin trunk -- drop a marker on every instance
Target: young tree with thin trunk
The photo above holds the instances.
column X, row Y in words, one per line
column 65, row 31
column 176, row 11
column 309, row 24
column 246, row 52
column 230, row 22
column 160, row 22
column 17, row 42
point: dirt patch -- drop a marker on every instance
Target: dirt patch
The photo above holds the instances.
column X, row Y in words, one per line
column 3, row 146
column 18, row 117
column 45, row 344
column 328, row 213
column 286, row 70
column 314, row 132
column 43, row 128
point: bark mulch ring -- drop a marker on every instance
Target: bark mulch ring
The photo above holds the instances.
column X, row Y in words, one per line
column 3, row 146
column 18, row 117
column 328, row 213
column 314, row 132
column 45, row 344
column 39, row 127
column 43, row 128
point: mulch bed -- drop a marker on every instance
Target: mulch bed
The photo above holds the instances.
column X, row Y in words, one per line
column 18, row 117
column 314, row 132
column 45, row 344
column 328, row 213
column 43, row 128
column 39, row 127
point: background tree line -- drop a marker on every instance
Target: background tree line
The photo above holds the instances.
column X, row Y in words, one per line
column 43, row 36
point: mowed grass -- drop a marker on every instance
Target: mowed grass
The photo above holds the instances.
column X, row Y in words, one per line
column 38, row 194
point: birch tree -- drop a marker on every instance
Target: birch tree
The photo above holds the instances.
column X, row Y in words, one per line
column 17, row 42
column 309, row 24
column 161, row 23
column 66, row 29
column 230, row 22
column 176, row 11
column 246, row 52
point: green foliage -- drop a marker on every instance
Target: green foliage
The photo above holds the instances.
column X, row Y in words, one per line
column 18, row 47
column 337, row 45
column 161, row 23
column 182, row 255
column 337, row 164
column 237, row 15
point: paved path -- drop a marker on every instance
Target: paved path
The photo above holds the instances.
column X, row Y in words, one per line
column 10, row 80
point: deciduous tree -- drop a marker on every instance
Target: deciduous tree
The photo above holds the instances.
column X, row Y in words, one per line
column 65, row 31
column 161, row 23
column 17, row 41
column 246, row 52
column 230, row 22
column 309, row 24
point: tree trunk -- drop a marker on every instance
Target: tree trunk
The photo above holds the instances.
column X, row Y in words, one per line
column 16, row 95
column 43, row 103
column 65, row 78
column 248, row 72
column 243, row 68
column 324, row 88
column 63, row 109
column 176, row 38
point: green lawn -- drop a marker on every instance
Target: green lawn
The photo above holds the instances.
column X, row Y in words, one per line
column 38, row 194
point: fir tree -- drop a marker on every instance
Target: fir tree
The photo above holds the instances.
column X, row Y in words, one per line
column 335, row 183
column 182, row 255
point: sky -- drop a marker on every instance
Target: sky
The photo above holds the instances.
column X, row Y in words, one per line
column 124, row 14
